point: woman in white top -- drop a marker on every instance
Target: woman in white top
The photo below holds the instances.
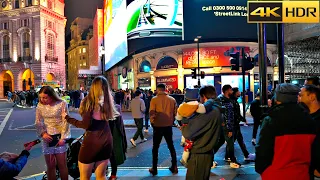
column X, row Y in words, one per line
column 54, row 130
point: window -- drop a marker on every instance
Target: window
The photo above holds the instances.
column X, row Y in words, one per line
column 49, row 24
column 50, row 46
column 83, row 57
column 84, row 64
column 5, row 47
column 26, row 44
column 29, row 3
column 5, row 25
column 24, row 22
column 84, row 50
column 16, row 4
column 50, row 4
column 79, row 50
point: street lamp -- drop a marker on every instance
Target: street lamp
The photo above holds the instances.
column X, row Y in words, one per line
column 197, row 39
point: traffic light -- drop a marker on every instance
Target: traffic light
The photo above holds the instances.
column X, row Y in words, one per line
column 234, row 61
column 248, row 63
column 194, row 73
column 202, row 74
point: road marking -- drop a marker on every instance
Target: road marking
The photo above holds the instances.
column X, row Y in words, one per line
column 5, row 120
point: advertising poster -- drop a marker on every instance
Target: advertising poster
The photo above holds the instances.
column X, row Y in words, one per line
column 115, row 41
column 171, row 82
column 209, row 56
column 148, row 18
column 221, row 20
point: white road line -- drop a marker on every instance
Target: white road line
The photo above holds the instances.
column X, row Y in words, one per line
column 17, row 129
column 4, row 122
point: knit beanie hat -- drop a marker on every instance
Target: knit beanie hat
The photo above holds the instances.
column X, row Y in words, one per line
column 191, row 95
column 287, row 93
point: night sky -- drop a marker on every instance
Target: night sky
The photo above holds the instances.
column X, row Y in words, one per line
column 80, row 8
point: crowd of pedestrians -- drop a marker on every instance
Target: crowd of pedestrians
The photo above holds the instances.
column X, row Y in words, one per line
column 287, row 146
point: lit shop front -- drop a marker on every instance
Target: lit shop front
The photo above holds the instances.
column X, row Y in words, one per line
column 172, row 65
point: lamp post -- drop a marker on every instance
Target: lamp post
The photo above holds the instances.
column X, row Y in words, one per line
column 197, row 39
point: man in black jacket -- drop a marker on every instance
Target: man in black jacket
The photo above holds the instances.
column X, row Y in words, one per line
column 310, row 96
column 147, row 102
column 204, row 130
column 237, row 131
column 256, row 113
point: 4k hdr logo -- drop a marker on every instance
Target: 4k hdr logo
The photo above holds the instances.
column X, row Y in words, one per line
column 283, row 12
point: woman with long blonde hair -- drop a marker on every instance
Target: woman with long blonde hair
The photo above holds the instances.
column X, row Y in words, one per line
column 96, row 110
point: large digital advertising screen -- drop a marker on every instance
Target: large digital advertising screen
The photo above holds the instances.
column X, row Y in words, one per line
column 221, row 20
column 153, row 22
column 115, row 37
column 147, row 18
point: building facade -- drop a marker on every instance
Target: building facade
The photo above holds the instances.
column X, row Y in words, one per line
column 78, row 52
column 172, row 66
column 32, row 34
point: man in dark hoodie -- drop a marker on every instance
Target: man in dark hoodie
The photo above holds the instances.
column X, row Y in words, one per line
column 284, row 147
column 228, row 126
column 204, row 129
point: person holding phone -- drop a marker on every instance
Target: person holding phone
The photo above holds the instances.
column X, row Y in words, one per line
column 11, row 164
column 54, row 130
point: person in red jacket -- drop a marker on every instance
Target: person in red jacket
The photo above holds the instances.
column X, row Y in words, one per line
column 284, row 147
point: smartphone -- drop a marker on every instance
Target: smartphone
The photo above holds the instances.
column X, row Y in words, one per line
column 35, row 142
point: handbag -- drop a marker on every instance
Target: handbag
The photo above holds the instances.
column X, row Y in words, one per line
column 55, row 140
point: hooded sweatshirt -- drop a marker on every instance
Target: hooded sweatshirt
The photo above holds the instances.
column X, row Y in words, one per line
column 204, row 129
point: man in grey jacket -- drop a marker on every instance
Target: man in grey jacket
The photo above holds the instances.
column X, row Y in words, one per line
column 204, row 130
column 138, row 109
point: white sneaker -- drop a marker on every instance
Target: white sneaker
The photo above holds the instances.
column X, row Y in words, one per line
column 144, row 140
column 146, row 130
column 251, row 157
column 133, row 143
column 253, row 141
column 234, row 165
column 214, row 164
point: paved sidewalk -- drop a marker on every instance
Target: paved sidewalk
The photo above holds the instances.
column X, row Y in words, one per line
column 135, row 173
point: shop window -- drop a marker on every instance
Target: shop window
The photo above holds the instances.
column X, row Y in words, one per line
column 145, row 66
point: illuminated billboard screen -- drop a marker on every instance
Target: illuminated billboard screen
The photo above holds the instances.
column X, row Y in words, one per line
column 221, row 20
column 115, row 37
column 153, row 22
column 147, row 18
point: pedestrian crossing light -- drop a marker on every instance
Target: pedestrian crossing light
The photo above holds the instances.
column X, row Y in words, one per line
column 202, row 74
column 194, row 73
column 234, row 61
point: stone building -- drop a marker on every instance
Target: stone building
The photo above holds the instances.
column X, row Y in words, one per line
column 32, row 36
